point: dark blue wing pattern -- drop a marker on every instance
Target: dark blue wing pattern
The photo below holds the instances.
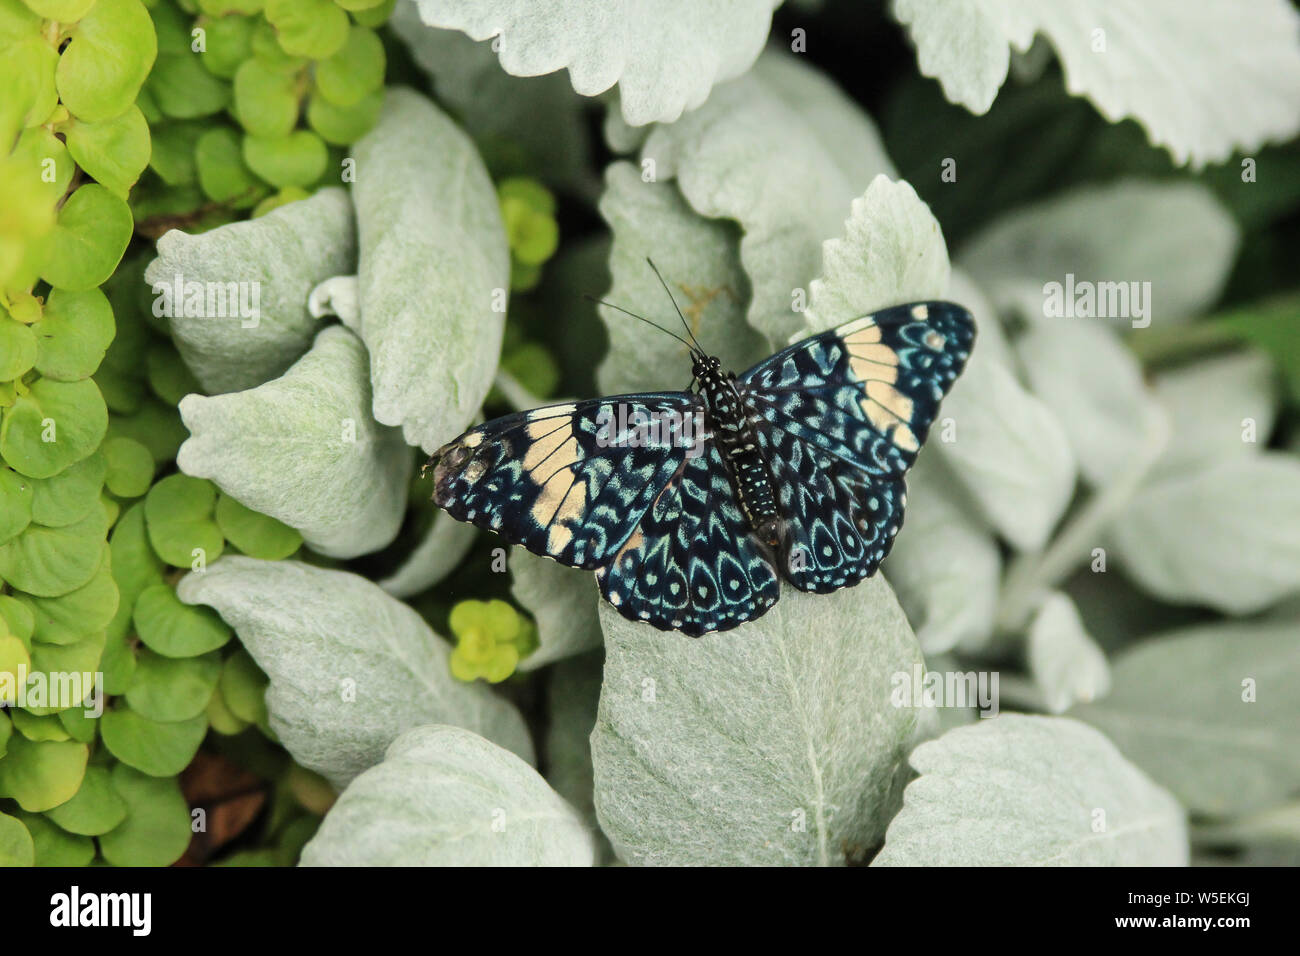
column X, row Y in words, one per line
column 692, row 564
column 571, row 481
column 842, row 416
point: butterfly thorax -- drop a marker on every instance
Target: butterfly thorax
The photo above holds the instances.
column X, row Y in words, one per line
column 730, row 424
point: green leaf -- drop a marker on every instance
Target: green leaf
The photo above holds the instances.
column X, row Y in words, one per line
column 156, row 830
column 178, row 514
column 111, row 52
column 344, row 125
column 79, row 657
column 266, row 96
column 697, row 45
column 17, row 348
column 70, row 494
column 699, row 260
column 1195, row 87
column 1209, row 712
column 39, row 727
column 71, row 617
column 243, row 688
column 169, row 379
column 1174, row 235
column 172, row 155
column 184, row 88
column 54, row 847
column 41, row 775
column 433, row 260
column 73, row 334
column 16, row 494
column 295, row 160
column 55, row 425
column 223, row 175
column 354, row 71
column 16, row 847
column 1032, row 791
column 1183, row 540
column 446, row 797
column 158, row 749
column 274, row 261
column 304, row 450
column 172, row 689
column 316, row 29
column 48, row 562
column 92, row 232
column 115, row 152
column 350, row 667
column 255, row 534
column 135, row 566
column 155, row 425
column 779, row 746
column 174, row 629
column 562, row 601
column 129, row 467
column 229, row 43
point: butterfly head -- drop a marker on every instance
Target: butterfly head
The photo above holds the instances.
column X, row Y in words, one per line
column 706, row 367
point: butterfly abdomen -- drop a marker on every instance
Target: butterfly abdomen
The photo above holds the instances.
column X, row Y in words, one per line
column 740, row 447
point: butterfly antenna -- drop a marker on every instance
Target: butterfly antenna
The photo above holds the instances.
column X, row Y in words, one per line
column 641, row 318
column 686, row 325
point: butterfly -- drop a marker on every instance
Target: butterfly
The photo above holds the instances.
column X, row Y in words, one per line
column 691, row 506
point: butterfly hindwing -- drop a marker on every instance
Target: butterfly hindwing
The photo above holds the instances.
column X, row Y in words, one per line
column 570, row 481
column 692, row 564
column 840, row 418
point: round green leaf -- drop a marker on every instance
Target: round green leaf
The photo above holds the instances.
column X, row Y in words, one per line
column 62, row 11
column 178, row 514
column 255, row 534
column 16, row 618
column 15, row 658
column 73, row 616
column 27, row 71
column 243, row 688
column 171, row 689
column 48, row 562
column 56, row 847
column 80, row 657
column 173, row 629
column 130, row 467
column 266, row 97
column 17, row 348
column 69, row 496
column 158, row 749
column 92, row 232
column 94, row 809
column 78, row 724
column 315, row 29
column 184, row 89
column 112, row 50
column 344, row 125
column 155, row 425
column 295, row 160
column 16, row 494
column 39, row 727
column 220, row 717
column 42, row 774
column 223, row 174
column 156, row 830
column 230, row 43
column 168, row 377
column 173, row 152
column 54, row 425
column 352, row 72
column 73, row 334
column 114, row 152
column 16, row 847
